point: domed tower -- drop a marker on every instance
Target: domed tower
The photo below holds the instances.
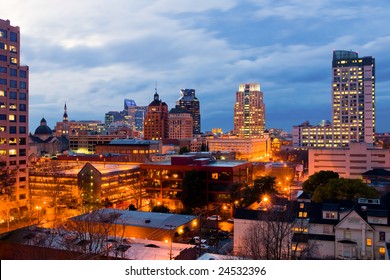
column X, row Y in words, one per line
column 43, row 131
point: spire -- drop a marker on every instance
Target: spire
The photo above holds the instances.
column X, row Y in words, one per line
column 65, row 116
column 156, row 96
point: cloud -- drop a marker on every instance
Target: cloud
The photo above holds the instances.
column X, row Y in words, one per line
column 92, row 54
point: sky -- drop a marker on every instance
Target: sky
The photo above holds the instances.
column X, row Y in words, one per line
column 92, row 54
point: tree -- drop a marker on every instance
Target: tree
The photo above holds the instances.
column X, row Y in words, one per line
column 160, row 209
column 90, row 233
column 183, row 150
column 318, row 179
column 268, row 238
column 261, row 186
column 7, row 181
column 193, row 194
column 344, row 189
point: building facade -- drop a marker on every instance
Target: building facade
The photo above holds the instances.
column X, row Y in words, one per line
column 349, row 162
column 141, row 151
column 190, row 102
column 180, row 124
column 245, row 148
column 72, row 183
column 162, row 180
column 156, row 125
column 249, row 111
column 14, row 97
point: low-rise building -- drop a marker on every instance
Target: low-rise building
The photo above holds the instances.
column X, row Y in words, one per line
column 245, row 148
column 74, row 183
column 162, row 180
column 349, row 162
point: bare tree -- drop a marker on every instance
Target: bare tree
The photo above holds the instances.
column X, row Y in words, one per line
column 269, row 237
column 7, row 182
column 49, row 187
column 93, row 234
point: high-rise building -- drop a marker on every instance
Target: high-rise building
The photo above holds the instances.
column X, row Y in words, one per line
column 156, row 120
column 134, row 115
column 353, row 97
column 353, row 105
column 180, row 124
column 14, row 97
column 249, row 111
column 190, row 102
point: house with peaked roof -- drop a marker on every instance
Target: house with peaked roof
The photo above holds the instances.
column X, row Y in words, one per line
column 363, row 232
column 344, row 230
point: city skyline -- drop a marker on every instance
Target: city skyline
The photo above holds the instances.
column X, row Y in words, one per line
column 82, row 56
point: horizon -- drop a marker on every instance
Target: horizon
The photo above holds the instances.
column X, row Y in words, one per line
column 83, row 56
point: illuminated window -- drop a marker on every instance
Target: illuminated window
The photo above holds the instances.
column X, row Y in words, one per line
column 14, row 60
column 3, row 93
column 3, row 33
column 369, row 242
column 12, row 49
column 302, row 214
column 12, row 152
column 214, row 176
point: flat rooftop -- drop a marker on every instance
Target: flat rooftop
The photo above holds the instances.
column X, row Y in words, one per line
column 138, row 218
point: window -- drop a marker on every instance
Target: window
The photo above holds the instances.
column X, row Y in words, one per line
column 12, row 129
column 22, row 196
column 3, row 33
column 12, row 49
column 382, row 236
column 302, row 214
column 13, row 72
column 23, row 74
column 3, row 117
column 13, row 60
column 3, row 81
column 13, row 37
column 3, row 58
column 12, row 152
column 12, row 141
column 22, row 85
column 22, row 129
column 369, row 242
column 13, row 84
column 12, row 95
column 12, row 107
column 22, row 118
column 3, row 69
column 3, row 105
column 22, row 152
column 22, row 96
column 3, row 46
column 2, row 92
column 12, row 118
column 22, row 107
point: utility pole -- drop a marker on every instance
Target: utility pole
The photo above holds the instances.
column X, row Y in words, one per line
column 170, row 245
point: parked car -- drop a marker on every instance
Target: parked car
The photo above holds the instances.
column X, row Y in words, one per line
column 214, row 218
column 197, row 240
